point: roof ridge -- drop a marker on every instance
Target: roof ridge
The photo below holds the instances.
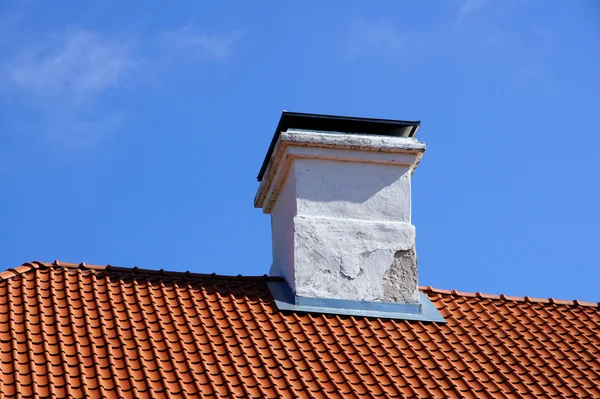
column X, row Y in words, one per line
column 30, row 266
column 504, row 297
column 34, row 265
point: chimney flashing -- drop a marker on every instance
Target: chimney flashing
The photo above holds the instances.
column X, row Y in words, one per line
column 286, row 300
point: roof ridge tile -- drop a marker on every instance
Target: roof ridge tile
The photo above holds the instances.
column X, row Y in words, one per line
column 508, row 298
column 30, row 266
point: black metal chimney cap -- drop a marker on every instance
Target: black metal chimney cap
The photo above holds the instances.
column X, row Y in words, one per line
column 343, row 124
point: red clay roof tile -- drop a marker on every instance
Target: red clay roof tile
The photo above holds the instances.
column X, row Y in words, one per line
column 70, row 330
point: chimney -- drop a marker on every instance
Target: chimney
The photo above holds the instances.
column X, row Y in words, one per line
column 338, row 190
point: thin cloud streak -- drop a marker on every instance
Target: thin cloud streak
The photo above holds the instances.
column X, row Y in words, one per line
column 467, row 8
column 380, row 37
column 80, row 65
column 64, row 80
column 78, row 131
column 189, row 41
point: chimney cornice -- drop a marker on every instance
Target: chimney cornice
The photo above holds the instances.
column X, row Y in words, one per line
column 293, row 144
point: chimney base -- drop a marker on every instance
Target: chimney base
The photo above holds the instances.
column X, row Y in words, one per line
column 355, row 260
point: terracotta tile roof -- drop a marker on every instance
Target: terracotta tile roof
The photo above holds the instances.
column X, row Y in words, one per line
column 84, row 331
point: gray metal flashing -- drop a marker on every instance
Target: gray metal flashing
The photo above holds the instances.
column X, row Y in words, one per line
column 286, row 300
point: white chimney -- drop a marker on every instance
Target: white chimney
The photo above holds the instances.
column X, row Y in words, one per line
column 338, row 190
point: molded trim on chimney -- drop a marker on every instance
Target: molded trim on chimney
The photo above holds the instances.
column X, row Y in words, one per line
column 336, row 147
column 286, row 300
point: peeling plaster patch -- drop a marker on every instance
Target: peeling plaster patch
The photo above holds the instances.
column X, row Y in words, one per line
column 349, row 267
column 332, row 261
column 401, row 277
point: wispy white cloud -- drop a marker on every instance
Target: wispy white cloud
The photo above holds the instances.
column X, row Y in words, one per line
column 78, row 65
column 64, row 78
column 190, row 41
column 80, row 131
column 375, row 37
column 467, row 8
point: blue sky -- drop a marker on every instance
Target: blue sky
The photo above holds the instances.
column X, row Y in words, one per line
column 131, row 133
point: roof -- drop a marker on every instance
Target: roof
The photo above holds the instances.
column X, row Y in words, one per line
column 333, row 123
column 98, row 331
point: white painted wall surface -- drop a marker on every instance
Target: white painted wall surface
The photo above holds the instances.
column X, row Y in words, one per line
column 351, row 190
column 282, row 232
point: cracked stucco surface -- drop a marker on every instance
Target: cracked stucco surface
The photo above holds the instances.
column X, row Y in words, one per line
column 355, row 260
column 400, row 279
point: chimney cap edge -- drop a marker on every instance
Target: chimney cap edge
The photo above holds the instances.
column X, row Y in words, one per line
column 333, row 123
